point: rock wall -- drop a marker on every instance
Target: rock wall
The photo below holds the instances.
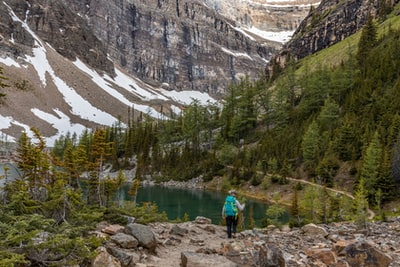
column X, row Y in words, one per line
column 263, row 14
column 329, row 23
column 181, row 43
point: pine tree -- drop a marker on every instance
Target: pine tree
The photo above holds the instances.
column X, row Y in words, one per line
column 33, row 163
column 367, row 42
column 310, row 146
column 385, row 181
column 134, row 189
column 310, row 203
column 100, row 150
column 120, row 182
column 328, row 117
column 361, row 205
column 229, row 111
column 371, row 165
column 295, row 219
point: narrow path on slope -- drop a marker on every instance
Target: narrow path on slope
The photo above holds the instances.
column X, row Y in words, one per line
column 370, row 212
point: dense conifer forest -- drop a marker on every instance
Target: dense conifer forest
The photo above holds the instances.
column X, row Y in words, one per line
column 325, row 122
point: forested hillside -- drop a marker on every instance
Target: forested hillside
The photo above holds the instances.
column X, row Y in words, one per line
column 332, row 120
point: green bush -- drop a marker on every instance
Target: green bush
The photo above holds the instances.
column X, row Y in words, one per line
column 275, row 178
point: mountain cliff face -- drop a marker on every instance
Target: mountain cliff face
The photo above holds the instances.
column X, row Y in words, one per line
column 181, row 43
column 266, row 15
column 57, row 25
column 79, row 64
column 332, row 22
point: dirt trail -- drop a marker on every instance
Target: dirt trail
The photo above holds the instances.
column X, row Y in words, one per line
column 199, row 237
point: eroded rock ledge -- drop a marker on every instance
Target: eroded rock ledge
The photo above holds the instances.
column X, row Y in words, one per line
column 200, row 243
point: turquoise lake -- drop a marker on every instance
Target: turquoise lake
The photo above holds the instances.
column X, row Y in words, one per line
column 195, row 202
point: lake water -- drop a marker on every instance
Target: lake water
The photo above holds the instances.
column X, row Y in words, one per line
column 176, row 202
column 195, row 202
column 12, row 172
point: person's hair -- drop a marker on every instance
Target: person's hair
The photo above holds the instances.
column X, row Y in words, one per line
column 232, row 192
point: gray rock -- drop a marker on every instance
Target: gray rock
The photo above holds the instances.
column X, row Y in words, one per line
column 177, row 230
column 124, row 258
column 125, row 240
column 143, row 234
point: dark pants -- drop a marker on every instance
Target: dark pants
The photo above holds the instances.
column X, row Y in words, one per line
column 231, row 223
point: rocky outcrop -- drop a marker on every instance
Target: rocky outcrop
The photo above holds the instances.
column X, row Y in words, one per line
column 199, row 243
column 56, row 24
column 331, row 22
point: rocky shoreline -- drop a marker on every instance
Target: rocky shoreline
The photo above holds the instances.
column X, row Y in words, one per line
column 199, row 243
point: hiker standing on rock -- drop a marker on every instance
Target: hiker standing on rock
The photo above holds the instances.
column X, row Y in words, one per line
column 230, row 213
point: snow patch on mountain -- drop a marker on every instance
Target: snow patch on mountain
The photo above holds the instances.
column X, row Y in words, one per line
column 79, row 105
column 6, row 122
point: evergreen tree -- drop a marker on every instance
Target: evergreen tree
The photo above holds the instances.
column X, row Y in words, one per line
column 193, row 122
column 100, row 150
column 367, row 42
column 295, row 219
column 33, row 163
column 346, row 144
column 385, row 181
column 134, row 189
column 310, row 146
column 71, row 164
column 328, row 117
column 361, row 205
column 310, row 203
column 246, row 114
column 371, row 165
column 120, row 182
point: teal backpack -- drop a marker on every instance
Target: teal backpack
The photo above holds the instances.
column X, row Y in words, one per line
column 230, row 206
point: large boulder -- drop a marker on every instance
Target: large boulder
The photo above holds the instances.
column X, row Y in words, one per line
column 143, row 234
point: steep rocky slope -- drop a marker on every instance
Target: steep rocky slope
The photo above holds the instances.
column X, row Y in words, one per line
column 183, row 44
column 332, row 22
column 64, row 58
